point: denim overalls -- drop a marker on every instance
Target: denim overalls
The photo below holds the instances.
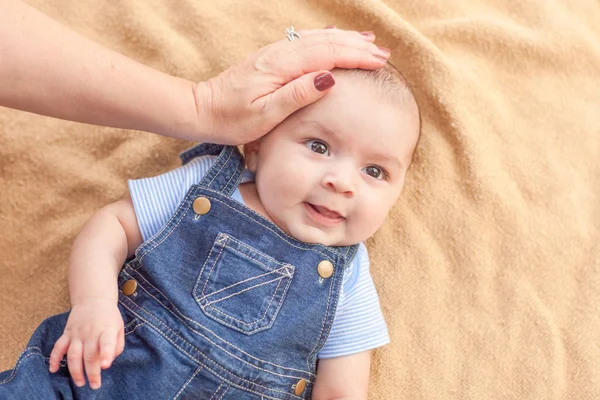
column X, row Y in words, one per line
column 219, row 304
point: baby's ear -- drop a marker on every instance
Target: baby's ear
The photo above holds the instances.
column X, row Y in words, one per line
column 251, row 154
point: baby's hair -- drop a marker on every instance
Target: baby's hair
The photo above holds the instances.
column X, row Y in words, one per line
column 391, row 84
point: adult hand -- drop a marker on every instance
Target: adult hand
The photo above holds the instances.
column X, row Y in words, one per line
column 249, row 99
column 56, row 72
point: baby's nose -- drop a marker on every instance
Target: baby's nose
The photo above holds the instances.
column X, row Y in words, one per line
column 340, row 182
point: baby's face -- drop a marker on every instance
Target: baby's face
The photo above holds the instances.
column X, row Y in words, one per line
column 330, row 173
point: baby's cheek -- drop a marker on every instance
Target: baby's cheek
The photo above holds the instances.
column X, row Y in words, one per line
column 368, row 220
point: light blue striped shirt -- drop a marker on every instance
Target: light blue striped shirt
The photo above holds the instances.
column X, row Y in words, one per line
column 358, row 324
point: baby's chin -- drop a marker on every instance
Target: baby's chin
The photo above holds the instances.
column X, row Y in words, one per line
column 317, row 236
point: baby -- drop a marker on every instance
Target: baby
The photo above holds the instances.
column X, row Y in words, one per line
column 243, row 278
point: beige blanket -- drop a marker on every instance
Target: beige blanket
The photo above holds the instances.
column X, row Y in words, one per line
column 488, row 269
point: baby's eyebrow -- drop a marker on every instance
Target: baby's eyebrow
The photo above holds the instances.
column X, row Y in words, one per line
column 389, row 159
column 323, row 129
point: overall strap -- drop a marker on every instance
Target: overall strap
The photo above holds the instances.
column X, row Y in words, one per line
column 226, row 174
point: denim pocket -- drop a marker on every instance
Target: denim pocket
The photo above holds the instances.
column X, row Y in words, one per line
column 240, row 287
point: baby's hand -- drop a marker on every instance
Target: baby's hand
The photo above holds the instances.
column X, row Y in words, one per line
column 94, row 334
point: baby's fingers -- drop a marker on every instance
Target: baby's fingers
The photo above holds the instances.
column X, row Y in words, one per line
column 108, row 347
column 74, row 362
column 91, row 362
column 120, row 342
column 60, row 349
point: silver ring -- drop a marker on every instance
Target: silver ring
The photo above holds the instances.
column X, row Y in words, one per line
column 292, row 34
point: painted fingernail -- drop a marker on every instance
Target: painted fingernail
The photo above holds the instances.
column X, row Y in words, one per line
column 330, row 27
column 385, row 50
column 324, row 81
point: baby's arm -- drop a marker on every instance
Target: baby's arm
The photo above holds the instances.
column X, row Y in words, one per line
column 343, row 378
column 98, row 253
column 94, row 331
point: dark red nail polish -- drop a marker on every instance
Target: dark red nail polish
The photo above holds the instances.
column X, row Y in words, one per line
column 324, row 81
column 329, row 27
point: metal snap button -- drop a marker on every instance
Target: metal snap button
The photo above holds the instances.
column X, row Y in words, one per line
column 201, row 205
column 300, row 386
column 129, row 287
column 325, row 269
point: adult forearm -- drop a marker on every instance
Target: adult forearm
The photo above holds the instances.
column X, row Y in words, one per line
column 48, row 69
column 96, row 258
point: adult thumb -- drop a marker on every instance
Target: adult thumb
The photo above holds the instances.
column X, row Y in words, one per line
column 299, row 93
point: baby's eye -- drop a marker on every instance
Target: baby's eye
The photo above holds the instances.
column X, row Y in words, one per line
column 374, row 171
column 318, row 147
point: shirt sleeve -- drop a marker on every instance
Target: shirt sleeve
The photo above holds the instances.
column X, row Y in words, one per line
column 358, row 324
column 156, row 199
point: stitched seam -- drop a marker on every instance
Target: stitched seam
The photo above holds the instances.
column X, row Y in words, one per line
column 249, row 257
column 227, row 188
column 271, row 269
column 324, row 318
column 135, row 328
column 191, row 321
column 212, row 268
column 16, row 368
column 223, row 163
column 186, row 384
column 191, row 357
column 226, row 238
column 199, row 281
column 253, row 277
column 253, row 250
column 217, row 391
column 313, row 351
column 226, row 390
column 240, row 291
column 256, row 321
column 247, row 389
column 129, row 324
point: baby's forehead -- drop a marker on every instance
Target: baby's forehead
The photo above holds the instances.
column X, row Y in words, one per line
column 387, row 81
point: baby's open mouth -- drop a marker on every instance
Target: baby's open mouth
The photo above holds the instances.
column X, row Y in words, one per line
column 323, row 214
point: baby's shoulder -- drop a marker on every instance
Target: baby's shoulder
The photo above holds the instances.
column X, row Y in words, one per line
column 358, row 266
column 361, row 257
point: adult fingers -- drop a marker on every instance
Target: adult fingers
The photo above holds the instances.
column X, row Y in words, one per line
column 367, row 36
column 74, row 361
column 58, row 351
column 91, row 362
column 297, row 94
column 322, row 51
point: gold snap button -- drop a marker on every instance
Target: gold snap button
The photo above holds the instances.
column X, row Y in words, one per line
column 201, row 205
column 325, row 269
column 300, row 386
column 129, row 287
